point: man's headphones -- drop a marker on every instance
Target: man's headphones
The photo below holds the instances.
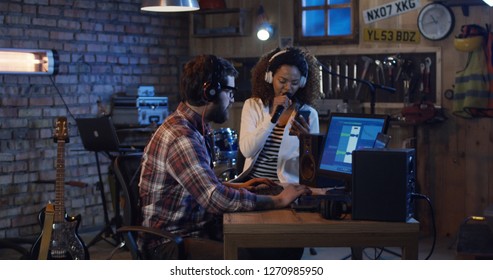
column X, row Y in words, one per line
column 332, row 209
column 212, row 88
column 269, row 75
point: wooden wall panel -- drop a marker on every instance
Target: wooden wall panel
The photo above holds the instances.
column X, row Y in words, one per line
column 476, row 171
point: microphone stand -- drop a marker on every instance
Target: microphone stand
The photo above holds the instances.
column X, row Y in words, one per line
column 372, row 86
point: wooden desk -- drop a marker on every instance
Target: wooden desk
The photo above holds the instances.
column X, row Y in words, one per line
column 288, row 228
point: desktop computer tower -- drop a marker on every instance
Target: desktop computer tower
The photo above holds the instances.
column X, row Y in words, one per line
column 383, row 181
column 311, row 147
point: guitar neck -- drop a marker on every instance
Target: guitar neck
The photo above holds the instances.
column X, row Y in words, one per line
column 59, row 184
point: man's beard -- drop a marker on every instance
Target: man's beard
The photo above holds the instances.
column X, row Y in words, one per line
column 219, row 115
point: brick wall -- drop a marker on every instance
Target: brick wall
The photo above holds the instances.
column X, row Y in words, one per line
column 105, row 47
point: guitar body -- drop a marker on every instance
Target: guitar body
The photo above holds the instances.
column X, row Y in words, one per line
column 65, row 243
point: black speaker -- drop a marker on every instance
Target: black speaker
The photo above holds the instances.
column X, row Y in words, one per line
column 311, row 147
column 383, row 181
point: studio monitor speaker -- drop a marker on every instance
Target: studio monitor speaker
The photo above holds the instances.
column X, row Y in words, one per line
column 383, row 181
column 311, row 147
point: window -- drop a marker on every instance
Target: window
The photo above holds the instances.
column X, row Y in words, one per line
column 327, row 21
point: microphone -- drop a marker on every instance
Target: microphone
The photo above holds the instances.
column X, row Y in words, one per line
column 280, row 109
column 386, row 88
column 277, row 114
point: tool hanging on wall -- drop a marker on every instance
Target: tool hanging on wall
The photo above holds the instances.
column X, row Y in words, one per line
column 409, row 74
column 367, row 61
column 380, row 72
column 406, row 99
column 345, row 90
column 427, row 88
column 330, row 92
column 390, row 63
column 399, row 63
column 422, row 78
column 338, row 80
column 355, row 76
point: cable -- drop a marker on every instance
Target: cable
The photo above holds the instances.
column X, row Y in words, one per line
column 421, row 196
column 376, row 255
column 204, row 133
column 61, row 97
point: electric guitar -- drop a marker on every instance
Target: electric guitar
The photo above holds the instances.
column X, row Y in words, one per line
column 65, row 243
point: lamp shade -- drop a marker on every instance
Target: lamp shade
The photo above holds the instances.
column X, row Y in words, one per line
column 489, row 2
column 169, row 5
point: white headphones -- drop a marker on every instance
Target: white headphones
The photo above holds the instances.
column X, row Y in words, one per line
column 269, row 76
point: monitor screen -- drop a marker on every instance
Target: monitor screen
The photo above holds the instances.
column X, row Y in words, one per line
column 346, row 133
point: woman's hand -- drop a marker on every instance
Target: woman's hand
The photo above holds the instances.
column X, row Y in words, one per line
column 299, row 126
column 258, row 181
column 280, row 100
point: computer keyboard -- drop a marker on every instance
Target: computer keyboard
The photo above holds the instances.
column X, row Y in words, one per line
column 306, row 203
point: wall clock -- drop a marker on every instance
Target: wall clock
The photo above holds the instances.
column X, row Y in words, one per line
column 436, row 21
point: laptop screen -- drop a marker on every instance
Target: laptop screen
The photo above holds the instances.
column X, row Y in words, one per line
column 98, row 134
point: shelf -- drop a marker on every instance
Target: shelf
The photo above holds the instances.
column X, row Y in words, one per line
column 464, row 4
column 220, row 23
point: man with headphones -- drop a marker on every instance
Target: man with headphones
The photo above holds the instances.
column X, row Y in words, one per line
column 284, row 82
column 179, row 190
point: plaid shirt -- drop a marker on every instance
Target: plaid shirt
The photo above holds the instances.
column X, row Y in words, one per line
column 178, row 188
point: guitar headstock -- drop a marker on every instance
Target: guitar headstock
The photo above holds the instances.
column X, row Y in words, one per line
column 61, row 130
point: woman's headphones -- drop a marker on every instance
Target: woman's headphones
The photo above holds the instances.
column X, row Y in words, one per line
column 212, row 88
column 269, row 74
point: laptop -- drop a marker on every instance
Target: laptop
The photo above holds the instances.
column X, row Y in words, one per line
column 98, row 134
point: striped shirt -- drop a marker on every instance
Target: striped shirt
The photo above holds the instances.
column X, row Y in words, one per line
column 266, row 164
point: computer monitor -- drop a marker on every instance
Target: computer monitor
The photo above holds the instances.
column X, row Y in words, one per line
column 347, row 132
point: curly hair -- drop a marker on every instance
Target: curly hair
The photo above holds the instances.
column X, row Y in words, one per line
column 265, row 91
column 200, row 70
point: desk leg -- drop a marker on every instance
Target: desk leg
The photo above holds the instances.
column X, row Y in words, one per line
column 356, row 253
column 230, row 249
column 410, row 248
column 410, row 252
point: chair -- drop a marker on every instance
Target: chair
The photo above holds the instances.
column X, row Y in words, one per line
column 240, row 162
column 127, row 172
column 17, row 245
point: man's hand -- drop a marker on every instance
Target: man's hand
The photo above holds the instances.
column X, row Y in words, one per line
column 290, row 193
column 282, row 200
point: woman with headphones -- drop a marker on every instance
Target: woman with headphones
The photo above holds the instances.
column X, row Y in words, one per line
column 285, row 83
